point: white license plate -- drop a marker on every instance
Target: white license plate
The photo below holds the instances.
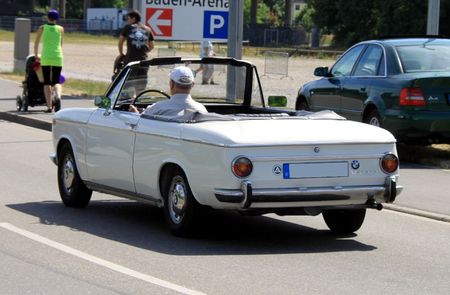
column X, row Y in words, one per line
column 315, row 170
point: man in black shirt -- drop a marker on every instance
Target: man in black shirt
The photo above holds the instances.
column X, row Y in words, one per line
column 139, row 40
column 138, row 36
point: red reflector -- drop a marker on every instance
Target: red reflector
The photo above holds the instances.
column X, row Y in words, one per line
column 242, row 167
column 389, row 163
column 411, row 97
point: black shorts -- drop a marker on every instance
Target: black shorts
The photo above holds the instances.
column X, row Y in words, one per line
column 51, row 75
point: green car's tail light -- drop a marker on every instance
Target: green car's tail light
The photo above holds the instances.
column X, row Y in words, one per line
column 411, row 97
column 242, row 167
column 389, row 163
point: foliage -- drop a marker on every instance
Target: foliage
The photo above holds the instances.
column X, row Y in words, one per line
column 262, row 12
column 352, row 21
column 305, row 18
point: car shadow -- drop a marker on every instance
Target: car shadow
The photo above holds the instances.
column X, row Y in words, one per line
column 221, row 233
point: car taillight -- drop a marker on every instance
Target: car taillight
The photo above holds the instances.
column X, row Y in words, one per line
column 411, row 97
column 389, row 163
column 242, row 167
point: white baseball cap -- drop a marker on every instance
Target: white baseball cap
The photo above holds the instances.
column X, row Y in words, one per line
column 182, row 75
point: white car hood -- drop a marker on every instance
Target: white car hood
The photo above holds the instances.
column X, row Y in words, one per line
column 286, row 131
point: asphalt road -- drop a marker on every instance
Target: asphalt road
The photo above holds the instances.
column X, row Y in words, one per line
column 117, row 246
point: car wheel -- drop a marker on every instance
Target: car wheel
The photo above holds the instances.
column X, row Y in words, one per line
column 18, row 103
column 344, row 221
column 301, row 104
column 72, row 190
column 373, row 118
column 181, row 210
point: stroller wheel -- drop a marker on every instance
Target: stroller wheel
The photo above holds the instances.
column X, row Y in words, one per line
column 18, row 103
column 24, row 103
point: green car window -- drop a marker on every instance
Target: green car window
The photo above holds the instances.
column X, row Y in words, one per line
column 419, row 58
column 344, row 65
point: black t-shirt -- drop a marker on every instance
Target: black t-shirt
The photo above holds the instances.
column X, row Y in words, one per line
column 137, row 36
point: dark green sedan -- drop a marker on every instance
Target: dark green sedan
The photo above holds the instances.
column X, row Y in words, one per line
column 401, row 84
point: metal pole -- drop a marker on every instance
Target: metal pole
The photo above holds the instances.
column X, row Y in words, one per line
column 433, row 17
column 235, row 33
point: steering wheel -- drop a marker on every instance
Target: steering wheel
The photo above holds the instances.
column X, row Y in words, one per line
column 149, row 91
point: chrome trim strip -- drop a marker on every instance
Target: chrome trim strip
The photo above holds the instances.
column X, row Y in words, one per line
column 124, row 194
column 315, row 158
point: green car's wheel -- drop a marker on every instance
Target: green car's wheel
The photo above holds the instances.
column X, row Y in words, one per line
column 373, row 118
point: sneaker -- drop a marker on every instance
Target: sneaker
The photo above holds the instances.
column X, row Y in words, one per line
column 48, row 110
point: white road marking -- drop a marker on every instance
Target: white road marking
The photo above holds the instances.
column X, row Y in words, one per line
column 99, row 261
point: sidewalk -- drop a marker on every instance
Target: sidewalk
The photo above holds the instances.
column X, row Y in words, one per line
column 35, row 117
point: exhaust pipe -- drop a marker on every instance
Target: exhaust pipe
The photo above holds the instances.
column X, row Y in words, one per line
column 371, row 203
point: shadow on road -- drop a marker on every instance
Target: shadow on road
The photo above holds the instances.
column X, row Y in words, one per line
column 223, row 233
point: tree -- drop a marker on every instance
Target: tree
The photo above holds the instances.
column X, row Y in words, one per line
column 262, row 15
column 355, row 20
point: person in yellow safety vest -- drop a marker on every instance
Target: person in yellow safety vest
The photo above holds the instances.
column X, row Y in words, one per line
column 51, row 58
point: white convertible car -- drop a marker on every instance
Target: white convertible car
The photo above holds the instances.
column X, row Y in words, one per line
column 244, row 155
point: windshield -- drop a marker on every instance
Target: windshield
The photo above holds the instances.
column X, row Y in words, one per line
column 419, row 58
column 214, row 83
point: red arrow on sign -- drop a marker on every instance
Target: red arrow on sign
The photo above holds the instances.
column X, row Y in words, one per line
column 160, row 21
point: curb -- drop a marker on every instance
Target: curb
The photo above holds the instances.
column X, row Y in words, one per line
column 418, row 212
column 35, row 123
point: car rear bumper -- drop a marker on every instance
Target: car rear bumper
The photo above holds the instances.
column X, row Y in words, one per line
column 425, row 125
column 248, row 197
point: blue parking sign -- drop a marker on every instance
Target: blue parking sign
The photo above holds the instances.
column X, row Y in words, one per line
column 215, row 25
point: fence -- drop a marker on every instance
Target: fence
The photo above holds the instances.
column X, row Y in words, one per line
column 276, row 63
column 70, row 25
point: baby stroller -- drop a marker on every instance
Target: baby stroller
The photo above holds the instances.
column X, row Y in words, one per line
column 33, row 89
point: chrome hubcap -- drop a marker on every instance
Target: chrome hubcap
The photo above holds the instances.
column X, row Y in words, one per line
column 68, row 173
column 177, row 199
column 374, row 121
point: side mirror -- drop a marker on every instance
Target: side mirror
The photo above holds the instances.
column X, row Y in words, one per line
column 278, row 101
column 102, row 102
column 321, row 72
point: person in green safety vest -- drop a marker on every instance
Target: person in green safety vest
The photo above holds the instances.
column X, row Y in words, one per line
column 51, row 58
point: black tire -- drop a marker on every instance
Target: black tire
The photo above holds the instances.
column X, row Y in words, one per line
column 373, row 118
column 25, row 103
column 18, row 103
column 344, row 221
column 181, row 210
column 72, row 190
column 301, row 104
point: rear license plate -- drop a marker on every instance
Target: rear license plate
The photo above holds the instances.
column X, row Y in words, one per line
column 315, row 170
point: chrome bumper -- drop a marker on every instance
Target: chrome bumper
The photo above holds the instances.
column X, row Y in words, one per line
column 247, row 195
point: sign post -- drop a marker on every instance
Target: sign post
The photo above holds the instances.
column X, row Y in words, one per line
column 235, row 28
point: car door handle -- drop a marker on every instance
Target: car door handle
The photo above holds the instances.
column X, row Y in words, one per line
column 131, row 124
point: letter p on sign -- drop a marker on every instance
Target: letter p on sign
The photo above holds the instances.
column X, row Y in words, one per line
column 215, row 25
